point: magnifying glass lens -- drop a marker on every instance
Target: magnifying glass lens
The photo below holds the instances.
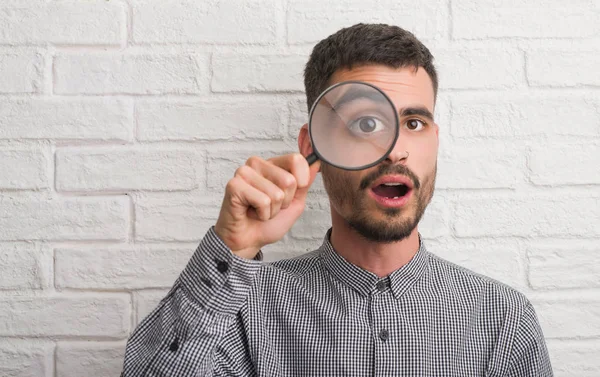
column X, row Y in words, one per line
column 353, row 125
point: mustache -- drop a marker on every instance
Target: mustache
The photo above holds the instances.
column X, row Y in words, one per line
column 388, row 170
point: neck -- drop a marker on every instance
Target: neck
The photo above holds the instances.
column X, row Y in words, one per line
column 379, row 258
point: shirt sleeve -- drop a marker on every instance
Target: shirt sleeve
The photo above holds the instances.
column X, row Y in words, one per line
column 181, row 335
column 529, row 356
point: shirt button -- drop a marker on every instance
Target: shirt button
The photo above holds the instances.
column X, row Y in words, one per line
column 222, row 266
column 384, row 335
column 381, row 286
column 174, row 346
column 207, row 282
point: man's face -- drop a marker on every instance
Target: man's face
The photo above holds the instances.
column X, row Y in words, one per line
column 387, row 213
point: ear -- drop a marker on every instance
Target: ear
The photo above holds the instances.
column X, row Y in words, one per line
column 304, row 144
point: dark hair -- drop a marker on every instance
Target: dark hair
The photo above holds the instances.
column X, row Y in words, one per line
column 364, row 44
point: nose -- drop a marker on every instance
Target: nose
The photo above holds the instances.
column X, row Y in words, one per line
column 398, row 155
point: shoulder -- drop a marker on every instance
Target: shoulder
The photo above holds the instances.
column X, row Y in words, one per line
column 290, row 277
column 294, row 267
column 475, row 288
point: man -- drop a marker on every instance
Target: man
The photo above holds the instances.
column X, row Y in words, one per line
column 371, row 300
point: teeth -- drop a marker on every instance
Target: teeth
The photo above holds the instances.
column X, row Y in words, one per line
column 393, row 184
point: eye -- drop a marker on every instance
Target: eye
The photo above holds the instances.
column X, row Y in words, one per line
column 366, row 125
column 415, row 124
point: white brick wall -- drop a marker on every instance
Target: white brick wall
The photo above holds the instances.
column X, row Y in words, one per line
column 121, row 121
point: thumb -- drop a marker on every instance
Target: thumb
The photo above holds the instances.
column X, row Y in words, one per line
column 313, row 170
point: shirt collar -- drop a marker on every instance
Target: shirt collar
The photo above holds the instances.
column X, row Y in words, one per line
column 365, row 282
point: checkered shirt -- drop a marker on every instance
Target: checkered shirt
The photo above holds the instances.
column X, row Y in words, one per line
column 319, row 315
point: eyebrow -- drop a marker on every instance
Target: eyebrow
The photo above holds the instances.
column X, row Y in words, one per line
column 417, row 110
column 353, row 95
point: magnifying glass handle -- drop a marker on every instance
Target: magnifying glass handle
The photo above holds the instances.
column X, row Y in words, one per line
column 311, row 158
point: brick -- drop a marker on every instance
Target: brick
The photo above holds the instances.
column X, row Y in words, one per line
column 65, row 315
column 483, row 164
column 21, row 73
column 210, row 120
column 568, row 267
column 436, row 220
column 312, row 224
column 257, row 73
column 298, row 116
column 191, row 21
column 146, row 301
column 21, row 358
column 527, row 216
column 516, row 115
column 569, row 318
column 89, row 358
column 476, row 19
column 311, row 21
column 57, row 119
column 575, row 357
column 479, row 68
column 62, row 22
column 563, row 68
column 501, row 261
column 175, row 218
column 317, row 200
column 125, row 168
column 120, row 268
column 115, row 73
column 53, row 219
column 441, row 113
column 565, row 165
column 25, row 266
column 24, row 169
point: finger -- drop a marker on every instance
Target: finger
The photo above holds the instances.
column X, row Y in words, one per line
column 245, row 196
column 264, row 185
column 296, row 164
column 284, row 179
column 313, row 171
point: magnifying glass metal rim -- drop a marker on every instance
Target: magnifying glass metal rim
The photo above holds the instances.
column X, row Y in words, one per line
column 316, row 155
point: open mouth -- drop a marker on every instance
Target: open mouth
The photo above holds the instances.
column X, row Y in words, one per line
column 394, row 190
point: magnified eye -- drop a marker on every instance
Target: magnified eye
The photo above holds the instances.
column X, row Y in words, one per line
column 415, row 124
column 366, row 125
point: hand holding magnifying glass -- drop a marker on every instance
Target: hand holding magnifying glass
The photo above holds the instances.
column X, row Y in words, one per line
column 352, row 125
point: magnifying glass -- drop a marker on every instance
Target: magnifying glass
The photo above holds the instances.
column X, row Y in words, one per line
column 352, row 125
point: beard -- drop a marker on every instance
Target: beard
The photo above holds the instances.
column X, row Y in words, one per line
column 397, row 223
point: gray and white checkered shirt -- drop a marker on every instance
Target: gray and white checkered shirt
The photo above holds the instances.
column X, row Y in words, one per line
column 319, row 315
